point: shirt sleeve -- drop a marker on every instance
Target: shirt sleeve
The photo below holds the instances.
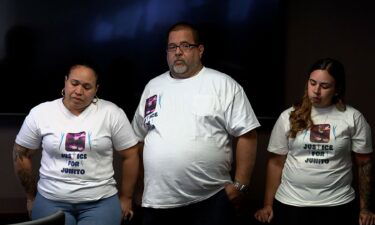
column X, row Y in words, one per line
column 240, row 115
column 361, row 138
column 123, row 136
column 138, row 120
column 29, row 135
column 279, row 136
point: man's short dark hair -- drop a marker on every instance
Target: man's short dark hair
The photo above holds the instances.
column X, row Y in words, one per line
column 185, row 25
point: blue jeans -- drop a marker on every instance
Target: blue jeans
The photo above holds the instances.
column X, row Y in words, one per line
column 102, row 212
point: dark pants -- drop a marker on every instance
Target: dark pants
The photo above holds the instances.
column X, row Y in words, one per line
column 291, row 215
column 216, row 210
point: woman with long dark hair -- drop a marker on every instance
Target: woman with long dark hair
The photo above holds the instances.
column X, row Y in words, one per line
column 312, row 147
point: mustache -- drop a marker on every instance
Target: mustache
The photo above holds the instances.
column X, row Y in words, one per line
column 179, row 60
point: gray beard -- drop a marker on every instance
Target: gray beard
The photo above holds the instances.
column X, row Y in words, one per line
column 180, row 69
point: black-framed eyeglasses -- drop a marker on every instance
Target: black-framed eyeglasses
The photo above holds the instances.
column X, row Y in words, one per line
column 184, row 46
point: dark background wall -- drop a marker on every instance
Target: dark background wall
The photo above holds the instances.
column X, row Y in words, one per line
column 127, row 40
column 274, row 46
column 344, row 30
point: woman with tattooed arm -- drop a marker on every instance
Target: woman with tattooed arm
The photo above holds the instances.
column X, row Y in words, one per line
column 312, row 147
column 77, row 134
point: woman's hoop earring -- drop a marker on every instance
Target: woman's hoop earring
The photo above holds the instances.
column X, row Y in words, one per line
column 63, row 92
column 95, row 99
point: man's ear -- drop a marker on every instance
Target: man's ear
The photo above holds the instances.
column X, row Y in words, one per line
column 201, row 50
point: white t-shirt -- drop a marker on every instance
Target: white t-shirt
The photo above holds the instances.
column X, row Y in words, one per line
column 186, row 125
column 318, row 167
column 77, row 154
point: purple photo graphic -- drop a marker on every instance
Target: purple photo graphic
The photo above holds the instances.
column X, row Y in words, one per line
column 75, row 142
column 320, row 133
column 150, row 105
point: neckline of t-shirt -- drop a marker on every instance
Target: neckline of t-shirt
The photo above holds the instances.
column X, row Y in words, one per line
column 67, row 112
column 317, row 110
column 190, row 79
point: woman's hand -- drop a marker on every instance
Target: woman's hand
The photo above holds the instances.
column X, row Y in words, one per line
column 29, row 205
column 265, row 214
column 366, row 217
column 126, row 208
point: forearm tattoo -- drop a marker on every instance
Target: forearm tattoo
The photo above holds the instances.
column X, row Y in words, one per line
column 364, row 175
column 24, row 173
column 28, row 181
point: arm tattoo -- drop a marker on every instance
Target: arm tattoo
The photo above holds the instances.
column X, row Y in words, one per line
column 24, row 169
column 19, row 153
column 28, row 181
column 364, row 175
